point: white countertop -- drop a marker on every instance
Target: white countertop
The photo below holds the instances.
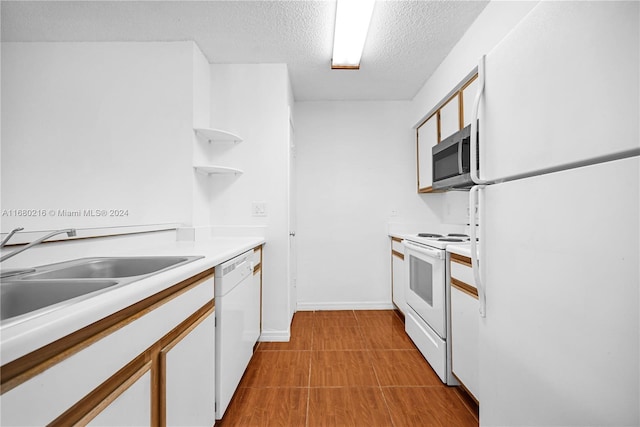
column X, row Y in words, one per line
column 23, row 337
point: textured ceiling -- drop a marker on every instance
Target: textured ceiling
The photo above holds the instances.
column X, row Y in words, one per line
column 407, row 39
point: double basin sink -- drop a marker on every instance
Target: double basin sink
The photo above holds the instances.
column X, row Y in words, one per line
column 47, row 287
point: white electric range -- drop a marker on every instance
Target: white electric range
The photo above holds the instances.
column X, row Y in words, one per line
column 428, row 319
column 438, row 241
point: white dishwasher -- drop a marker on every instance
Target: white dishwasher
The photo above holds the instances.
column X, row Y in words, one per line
column 237, row 325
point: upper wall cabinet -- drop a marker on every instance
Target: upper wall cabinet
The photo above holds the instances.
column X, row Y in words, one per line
column 427, row 135
column 468, row 96
column 449, row 116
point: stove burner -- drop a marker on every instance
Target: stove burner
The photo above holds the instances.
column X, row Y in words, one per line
column 457, row 235
column 429, row 235
column 450, row 239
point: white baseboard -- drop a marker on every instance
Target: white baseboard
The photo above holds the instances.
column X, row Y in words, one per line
column 275, row 336
column 363, row 305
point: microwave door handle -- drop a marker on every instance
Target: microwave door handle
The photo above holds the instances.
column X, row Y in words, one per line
column 460, row 171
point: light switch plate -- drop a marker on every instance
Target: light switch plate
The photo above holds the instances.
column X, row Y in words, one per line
column 259, row 209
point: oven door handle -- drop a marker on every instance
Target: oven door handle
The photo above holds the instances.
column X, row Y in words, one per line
column 433, row 253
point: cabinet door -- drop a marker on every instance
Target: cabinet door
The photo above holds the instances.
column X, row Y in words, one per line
column 468, row 96
column 398, row 275
column 256, row 307
column 190, row 377
column 132, row 407
column 450, row 117
column 427, row 138
column 104, row 370
column 257, row 279
column 464, row 339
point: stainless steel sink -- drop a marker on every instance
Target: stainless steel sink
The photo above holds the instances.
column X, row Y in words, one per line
column 99, row 268
column 52, row 286
column 19, row 297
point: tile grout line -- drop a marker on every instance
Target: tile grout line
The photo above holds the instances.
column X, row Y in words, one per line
column 368, row 349
column 313, row 321
column 370, row 353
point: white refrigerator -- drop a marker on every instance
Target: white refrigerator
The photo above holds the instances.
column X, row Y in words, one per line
column 558, row 219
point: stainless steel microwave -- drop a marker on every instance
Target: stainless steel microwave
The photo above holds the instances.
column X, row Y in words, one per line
column 452, row 160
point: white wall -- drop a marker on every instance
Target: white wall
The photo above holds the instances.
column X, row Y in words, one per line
column 201, row 184
column 98, row 126
column 83, row 123
column 251, row 100
column 356, row 165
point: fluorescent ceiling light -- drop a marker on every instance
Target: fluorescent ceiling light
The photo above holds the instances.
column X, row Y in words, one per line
column 352, row 24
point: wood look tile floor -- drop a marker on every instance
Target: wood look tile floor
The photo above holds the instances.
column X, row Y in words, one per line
column 345, row 368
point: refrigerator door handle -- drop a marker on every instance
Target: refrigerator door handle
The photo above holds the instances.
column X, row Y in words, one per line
column 473, row 202
column 475, row 175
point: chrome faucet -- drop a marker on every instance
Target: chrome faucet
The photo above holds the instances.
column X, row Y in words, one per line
column 9, row 236
column 71, row 232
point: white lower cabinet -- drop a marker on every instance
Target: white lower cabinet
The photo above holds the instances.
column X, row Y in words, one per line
column 128, row 408
column 398, row 275
column 464, row 332
column 189, row 377
column 256, row 293
column 465, row 322
column 151, row 363
column 427, row 138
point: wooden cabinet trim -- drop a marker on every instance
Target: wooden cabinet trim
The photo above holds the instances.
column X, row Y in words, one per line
column 95, row 402
column 469, row 78
column 468, row 82
column 439, row 125
column 258, row 248
column 258, row 270
column 434, row 112
column 168, row 342
column 26, row 367
column 154, row 359
column 418, row 157
column 460, row 110
column 426, row 190
column 463, row 287
column 460, row 259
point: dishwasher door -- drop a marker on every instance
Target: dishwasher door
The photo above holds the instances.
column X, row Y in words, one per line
column 237, row 327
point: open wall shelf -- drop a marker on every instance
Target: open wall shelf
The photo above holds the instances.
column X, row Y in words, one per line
column 217, row 135
column 217, row 170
